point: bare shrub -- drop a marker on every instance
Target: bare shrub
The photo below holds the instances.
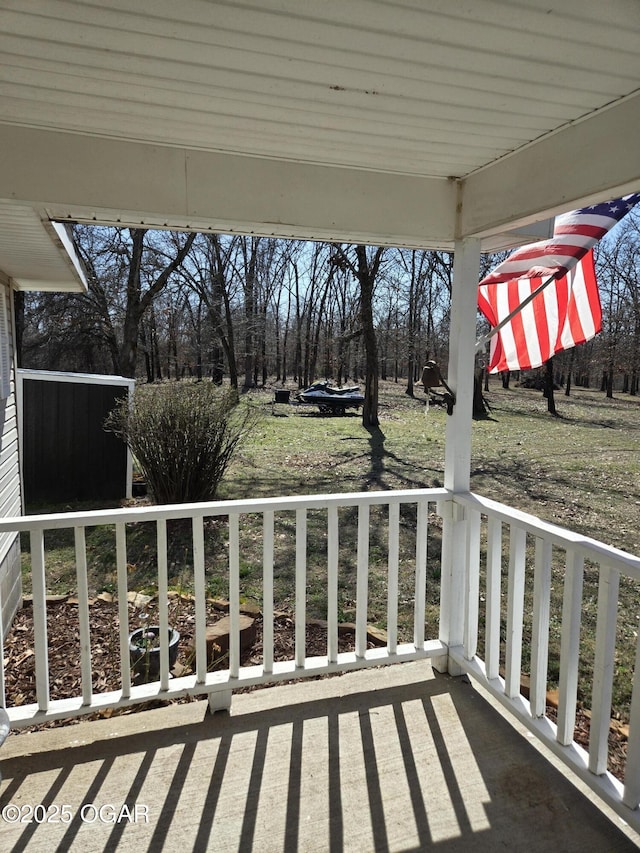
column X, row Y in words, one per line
column 183, row 436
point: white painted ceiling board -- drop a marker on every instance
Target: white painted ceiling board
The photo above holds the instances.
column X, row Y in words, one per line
column 488, row 92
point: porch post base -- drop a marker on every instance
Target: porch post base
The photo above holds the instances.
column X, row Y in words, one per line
column 220, row 700
column 454, row 669
column 441, row 663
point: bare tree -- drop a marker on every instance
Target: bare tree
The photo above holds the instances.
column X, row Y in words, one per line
column 365, row 267
column 142, row 267
column 419, row 267
column 618, row 269
column 210, row 273
column 615, row 313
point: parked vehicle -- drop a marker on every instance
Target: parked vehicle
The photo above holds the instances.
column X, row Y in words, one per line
column 330, row 399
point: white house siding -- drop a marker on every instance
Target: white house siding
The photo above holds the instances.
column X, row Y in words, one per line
column 10, row 499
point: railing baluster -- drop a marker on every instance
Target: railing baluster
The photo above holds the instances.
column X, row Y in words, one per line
column 472, row 585
column 608, row 587
column 631, row 796
column 392, row 578
column 362, row 583
column 494, row 570
column 163, row 601
column 40, row 618
column 200, row 596
column 83, row 614
column 333, row 545
column 301, row 587
column 422, row 510
column 570, row 647
column 540, row 628
column 515, row 610
column 123, row 608
column 267, row 590
column 234, row 595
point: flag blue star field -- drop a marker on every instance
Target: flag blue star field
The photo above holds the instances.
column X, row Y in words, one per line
column 574, row 234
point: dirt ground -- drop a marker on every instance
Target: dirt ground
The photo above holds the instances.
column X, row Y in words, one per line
column 64, row 644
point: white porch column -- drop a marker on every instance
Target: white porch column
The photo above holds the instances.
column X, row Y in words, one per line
column 462, row 338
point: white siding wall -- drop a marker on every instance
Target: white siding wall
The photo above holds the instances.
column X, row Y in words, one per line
column 10, row 500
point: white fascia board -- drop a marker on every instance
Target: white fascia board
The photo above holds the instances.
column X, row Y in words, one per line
column 589, row 161
column 110, row 181
column 63, row 237
column 83, row 378
column 48, row 286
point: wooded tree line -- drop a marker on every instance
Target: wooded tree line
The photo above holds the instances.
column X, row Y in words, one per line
column 253, row 310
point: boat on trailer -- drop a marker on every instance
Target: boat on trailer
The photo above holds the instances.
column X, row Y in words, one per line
column 332, row 400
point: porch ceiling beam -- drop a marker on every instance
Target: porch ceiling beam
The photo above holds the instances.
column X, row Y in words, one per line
column 80, row 177
column 89, row 178
column 587, row 162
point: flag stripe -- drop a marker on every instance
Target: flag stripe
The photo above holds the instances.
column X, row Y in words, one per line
column 543, row 311
column 519, row 333
column 594, row 231
column 584, row 313
column 567, row 312
column 575, row 233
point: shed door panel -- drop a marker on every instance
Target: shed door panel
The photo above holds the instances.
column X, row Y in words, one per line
column 67, row 454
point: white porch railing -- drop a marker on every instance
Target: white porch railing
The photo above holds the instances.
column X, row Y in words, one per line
column 220, row 684
column 497, row 536
column 498, row 555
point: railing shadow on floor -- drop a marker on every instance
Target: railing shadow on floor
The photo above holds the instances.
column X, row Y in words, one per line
column 421, row 763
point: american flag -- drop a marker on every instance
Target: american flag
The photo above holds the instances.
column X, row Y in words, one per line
column 565, row 313
column 574, row 234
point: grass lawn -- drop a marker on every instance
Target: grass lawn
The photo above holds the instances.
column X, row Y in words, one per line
column 579, row 470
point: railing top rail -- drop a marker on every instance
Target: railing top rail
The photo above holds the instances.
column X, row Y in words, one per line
column 629, row 564
column 128, row 515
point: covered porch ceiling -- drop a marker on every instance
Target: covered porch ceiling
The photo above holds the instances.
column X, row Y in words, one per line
column 410, row 123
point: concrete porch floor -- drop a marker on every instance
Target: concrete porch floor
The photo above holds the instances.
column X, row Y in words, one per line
column 399, row 758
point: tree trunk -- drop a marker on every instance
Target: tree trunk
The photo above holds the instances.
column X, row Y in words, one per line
column 567, row 390
column 138, row 302
column 198, row 339
column 148, row 363
column 249, row 287
column 548, row 387
column 479, row 407
column 313, row 361
column 217, row 364
column 285, row 339
column 409, row 390
column 367, row 276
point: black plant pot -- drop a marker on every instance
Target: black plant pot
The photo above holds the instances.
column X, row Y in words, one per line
column 145, row 659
